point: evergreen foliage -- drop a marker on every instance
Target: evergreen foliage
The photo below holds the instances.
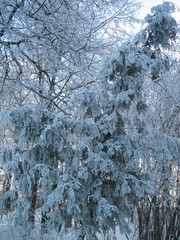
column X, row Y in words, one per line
column 86, row 172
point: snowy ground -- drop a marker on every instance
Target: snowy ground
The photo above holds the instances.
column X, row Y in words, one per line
column 9, row 232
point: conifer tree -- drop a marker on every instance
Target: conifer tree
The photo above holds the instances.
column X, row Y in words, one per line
column 86, row 170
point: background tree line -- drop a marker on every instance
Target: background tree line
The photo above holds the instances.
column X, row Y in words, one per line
column 89, row 148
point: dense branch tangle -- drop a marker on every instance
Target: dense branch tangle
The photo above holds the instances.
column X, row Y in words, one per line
column 52, row 47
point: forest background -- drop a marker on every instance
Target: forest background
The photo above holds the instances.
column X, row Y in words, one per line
column 89, row 121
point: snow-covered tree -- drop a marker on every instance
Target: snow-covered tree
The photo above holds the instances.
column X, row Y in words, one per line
column 89, row 171
column 158, row 212
column 50, row 48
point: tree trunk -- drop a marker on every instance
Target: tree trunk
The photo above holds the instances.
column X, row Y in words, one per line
column 33, row 205
column 44, row 221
